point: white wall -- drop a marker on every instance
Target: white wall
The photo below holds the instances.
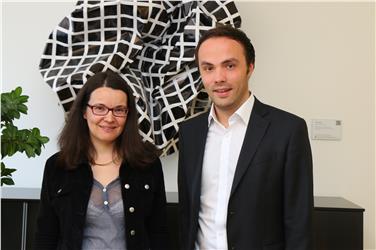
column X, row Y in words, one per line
column 314, row 59
column 25, row 29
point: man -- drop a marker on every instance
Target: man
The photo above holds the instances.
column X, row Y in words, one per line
column 245, row 168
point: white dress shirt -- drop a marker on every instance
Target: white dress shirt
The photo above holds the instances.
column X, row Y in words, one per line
column 222, row 151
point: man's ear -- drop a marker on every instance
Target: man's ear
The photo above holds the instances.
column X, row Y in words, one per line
column 84, row 115
column 251, row 67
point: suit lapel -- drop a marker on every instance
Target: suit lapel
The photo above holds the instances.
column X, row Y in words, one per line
column 200, row 132
column 197, row 140
column 256, row 129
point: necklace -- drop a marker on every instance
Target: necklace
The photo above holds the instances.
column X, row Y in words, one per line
column 114, row 160
column 104, row 164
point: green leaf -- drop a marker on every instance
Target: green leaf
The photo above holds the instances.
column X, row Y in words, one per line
column 44, row 139
column 7, row 172
column 11, row 149
column 6, row 175
column 18, row 91
column 22, row 108
column 13, row 103
column 29, row 150
column 6, row 181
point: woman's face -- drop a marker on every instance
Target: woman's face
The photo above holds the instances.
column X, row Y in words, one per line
column 105, row 128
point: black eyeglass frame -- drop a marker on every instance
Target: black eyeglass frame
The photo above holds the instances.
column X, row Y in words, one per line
column 107, row 110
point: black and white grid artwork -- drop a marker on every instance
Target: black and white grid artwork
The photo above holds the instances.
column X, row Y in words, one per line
column 150, row 43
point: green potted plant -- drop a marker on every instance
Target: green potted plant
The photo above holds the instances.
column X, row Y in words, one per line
column 13, row 140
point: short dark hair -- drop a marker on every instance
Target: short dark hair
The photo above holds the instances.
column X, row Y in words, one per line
column 228, row 31
column 74, row 140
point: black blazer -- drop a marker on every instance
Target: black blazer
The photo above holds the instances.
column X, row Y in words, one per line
column 271, row 200
column 64, row 199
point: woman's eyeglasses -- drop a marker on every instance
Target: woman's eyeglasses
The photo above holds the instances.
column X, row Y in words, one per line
column 102, row 110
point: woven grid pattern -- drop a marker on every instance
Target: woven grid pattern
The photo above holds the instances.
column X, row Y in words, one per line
column 150, row 43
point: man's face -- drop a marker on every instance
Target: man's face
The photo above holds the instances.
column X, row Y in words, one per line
column 225, row 73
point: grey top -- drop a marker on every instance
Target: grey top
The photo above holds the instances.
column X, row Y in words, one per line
column 105, row 224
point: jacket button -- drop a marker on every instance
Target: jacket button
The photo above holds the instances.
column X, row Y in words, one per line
column 59, row 191
column 233, row 248
column 131, row 209
column 231, row 213
column 126, row 186
column 147, row 186
column 133, row 232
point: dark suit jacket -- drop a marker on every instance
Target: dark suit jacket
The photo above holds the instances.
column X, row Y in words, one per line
column 64, row 199
column 271, row 200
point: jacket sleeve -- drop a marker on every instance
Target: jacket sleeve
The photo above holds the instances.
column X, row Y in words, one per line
column 298, row 190
column 47, row 228
column 158, row 221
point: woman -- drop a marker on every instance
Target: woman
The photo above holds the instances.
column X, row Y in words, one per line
column 105, row 188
